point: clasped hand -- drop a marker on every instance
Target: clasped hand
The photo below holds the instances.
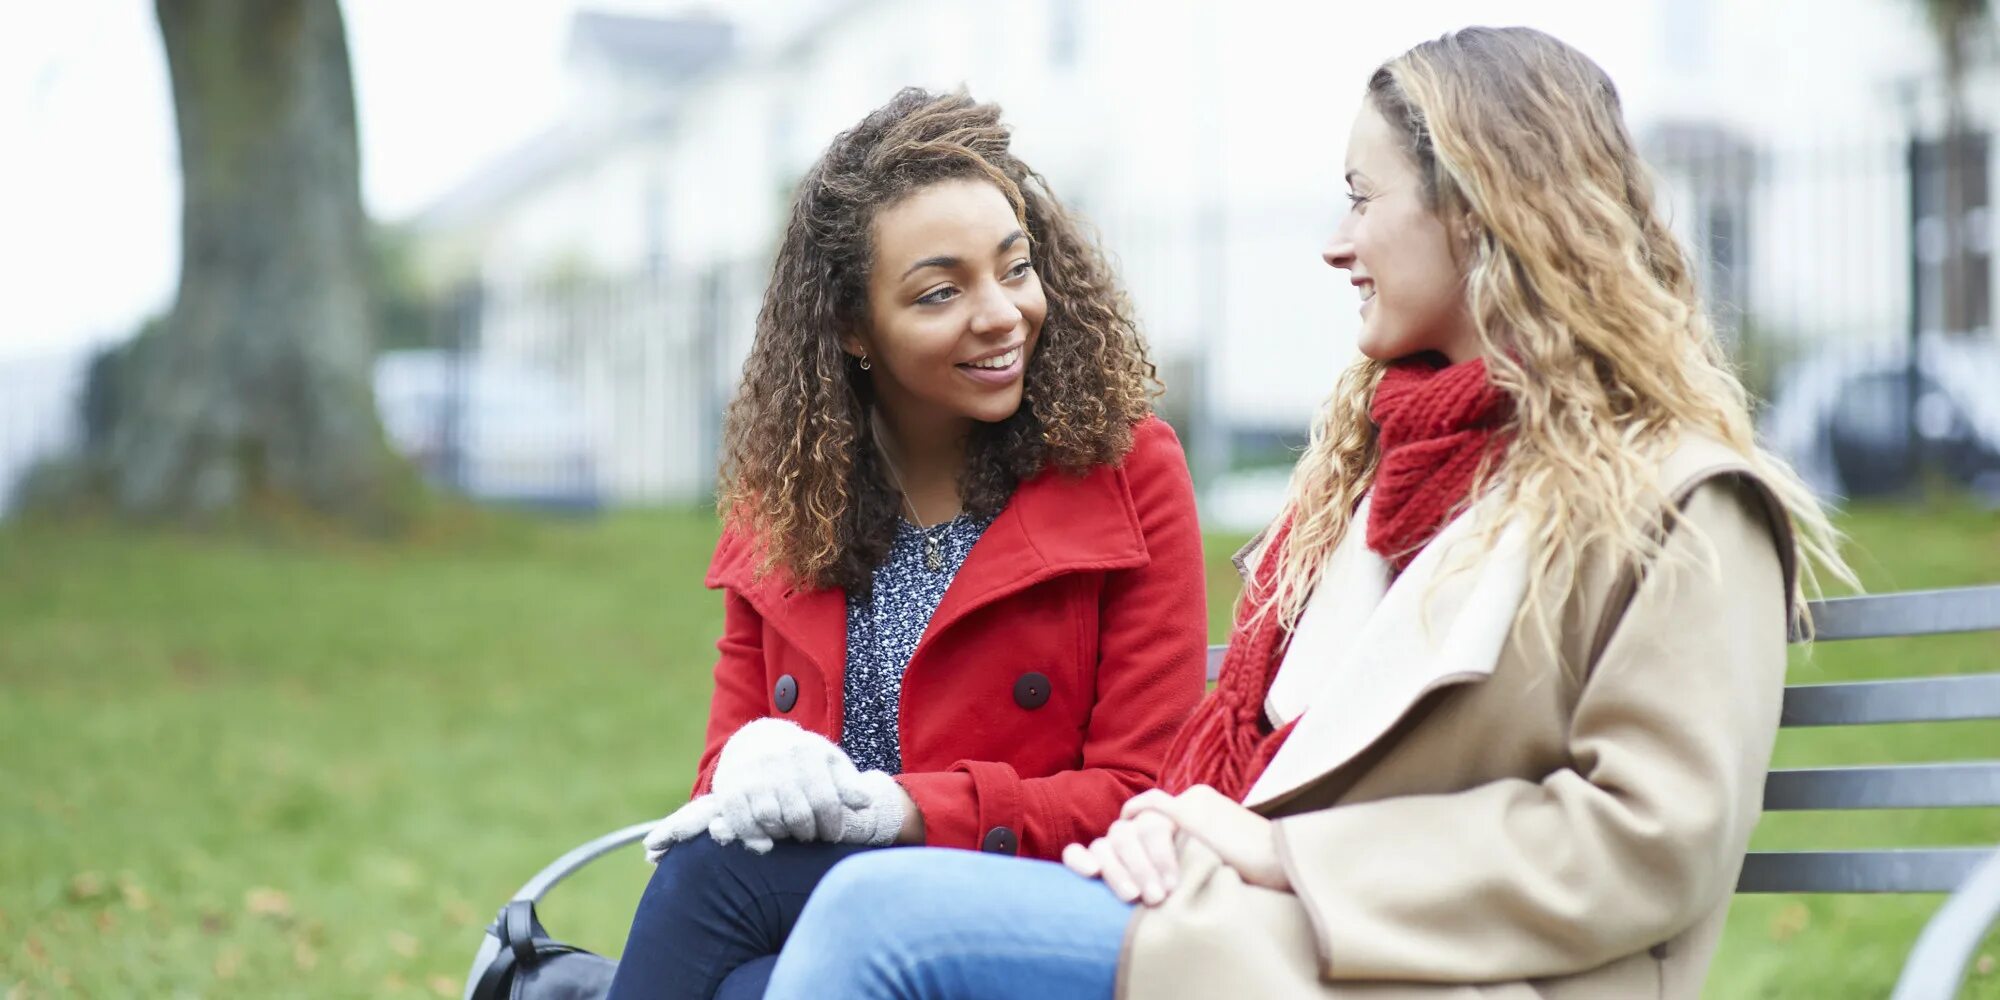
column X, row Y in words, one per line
column 1139, row 857
column 776, row 781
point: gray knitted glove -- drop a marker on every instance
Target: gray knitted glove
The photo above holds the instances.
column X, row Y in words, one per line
column 683, row 824
column 880, row 816
column 777, row 781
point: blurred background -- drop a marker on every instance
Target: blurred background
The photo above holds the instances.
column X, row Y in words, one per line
column 362, row 369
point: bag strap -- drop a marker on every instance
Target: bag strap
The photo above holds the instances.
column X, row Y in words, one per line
column 517, row 926
column 521, row 938
column 496, row 976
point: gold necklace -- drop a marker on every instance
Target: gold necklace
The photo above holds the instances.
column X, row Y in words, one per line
column 933, row 535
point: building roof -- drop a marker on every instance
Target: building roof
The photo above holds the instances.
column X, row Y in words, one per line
column 668, row 49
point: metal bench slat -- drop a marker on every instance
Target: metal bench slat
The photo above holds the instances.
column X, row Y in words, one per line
column 1915, row 612
column 1919, row 699
column 1891, row 786
column 1940, row 869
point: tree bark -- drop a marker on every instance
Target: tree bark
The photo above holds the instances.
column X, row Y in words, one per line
column 255, row 389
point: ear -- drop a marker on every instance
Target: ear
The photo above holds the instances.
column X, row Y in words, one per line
column 854, row 345
column 1467, row 233
column 1469, row 227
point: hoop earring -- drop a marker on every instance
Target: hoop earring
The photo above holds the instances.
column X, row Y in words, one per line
column 865, row 366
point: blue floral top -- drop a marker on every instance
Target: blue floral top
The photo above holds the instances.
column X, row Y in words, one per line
column 883, row 630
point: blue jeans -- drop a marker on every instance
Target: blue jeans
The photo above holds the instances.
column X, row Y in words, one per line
column 929, row 922
column 713, row 918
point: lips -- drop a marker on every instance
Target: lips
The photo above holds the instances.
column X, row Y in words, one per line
column 997, row 362
column 998, row 369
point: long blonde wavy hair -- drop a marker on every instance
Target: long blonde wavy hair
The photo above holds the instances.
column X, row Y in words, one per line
column 1586, row 312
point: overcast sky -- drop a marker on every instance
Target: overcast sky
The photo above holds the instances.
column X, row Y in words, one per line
column 90, row 186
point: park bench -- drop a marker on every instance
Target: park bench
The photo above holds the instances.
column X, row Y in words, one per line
column 1970, row 875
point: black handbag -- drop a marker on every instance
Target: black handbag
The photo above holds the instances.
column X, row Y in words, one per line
column 518, row 960
column 530, row 965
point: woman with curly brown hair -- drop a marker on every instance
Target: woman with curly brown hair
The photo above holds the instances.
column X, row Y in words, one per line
column 962, row 576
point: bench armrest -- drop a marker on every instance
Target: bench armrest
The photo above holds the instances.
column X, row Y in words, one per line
column 1937, row 964
column 570, row 863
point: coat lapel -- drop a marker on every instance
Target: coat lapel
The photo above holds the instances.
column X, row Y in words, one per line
column 813, row 621
column 1351, row 586
column 1441, row 623
column 1056, row 523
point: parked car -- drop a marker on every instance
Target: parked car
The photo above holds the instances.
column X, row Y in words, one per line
column 493, row 430
column 1843, row 419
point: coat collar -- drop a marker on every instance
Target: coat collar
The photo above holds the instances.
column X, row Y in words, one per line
column 1442, row 622
column 1055, row 523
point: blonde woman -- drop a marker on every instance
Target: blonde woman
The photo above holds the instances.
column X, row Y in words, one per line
column 1506, row 673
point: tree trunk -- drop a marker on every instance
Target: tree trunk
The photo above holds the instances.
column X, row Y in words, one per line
column 255, row 390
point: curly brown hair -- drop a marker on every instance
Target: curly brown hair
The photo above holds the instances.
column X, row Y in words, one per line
column 800, row 472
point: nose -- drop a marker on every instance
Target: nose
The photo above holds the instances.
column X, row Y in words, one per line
column 1339, row 250
column 996, row 313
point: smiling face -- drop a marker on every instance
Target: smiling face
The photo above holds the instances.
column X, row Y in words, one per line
column 954, row 306
column 1398, row 253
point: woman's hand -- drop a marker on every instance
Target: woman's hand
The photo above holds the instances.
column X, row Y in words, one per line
column 1244, row 840
column 776, row 781
column 910, row 832
column 1138, row 858
column 681, row 825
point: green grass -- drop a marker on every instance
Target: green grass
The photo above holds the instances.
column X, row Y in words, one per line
column 310, row 768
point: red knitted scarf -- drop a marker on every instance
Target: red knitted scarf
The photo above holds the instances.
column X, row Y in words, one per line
column 1435, row 424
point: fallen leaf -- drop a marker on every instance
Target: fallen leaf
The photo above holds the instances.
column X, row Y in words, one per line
column 304, row 956
column 136, row 896
column 403, row 943
column 228, row 963
column 1790, row 921
column 1984, row 966
column 265, row 901
column 85, row 887
column 213, row 922
column 443, row 986
column 107, row 920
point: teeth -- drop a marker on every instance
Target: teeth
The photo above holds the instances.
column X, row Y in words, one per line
column 1367, row 292
column 1003, row 361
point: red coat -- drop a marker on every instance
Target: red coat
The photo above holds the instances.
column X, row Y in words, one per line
column 1064, row 656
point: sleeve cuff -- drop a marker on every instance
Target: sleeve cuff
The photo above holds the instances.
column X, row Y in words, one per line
column 975, row 806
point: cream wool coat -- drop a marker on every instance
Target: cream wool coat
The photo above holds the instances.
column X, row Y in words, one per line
column 1464, row 819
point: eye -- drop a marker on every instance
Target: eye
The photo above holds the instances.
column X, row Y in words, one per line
column 938, row 295
column 1020, row 269
column 1357, row 201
